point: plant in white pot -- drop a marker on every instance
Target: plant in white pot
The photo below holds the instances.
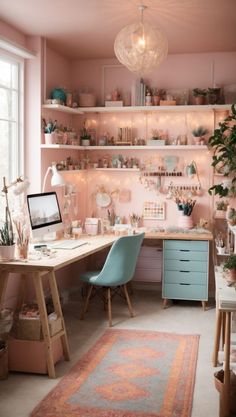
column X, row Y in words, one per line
column 199, row 135
column 220, row 243
column 7, row 244
column 85, row 135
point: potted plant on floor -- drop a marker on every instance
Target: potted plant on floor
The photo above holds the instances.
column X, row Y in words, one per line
column 230, row 267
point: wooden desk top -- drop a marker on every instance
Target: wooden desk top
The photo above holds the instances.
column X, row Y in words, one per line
column 64, row 257
column 179, row 236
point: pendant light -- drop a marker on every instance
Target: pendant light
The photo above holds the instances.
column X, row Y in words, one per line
column 140, row 47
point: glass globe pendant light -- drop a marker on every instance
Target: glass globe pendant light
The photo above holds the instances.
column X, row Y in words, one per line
column 140, row 47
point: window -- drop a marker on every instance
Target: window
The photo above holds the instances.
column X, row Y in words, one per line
column 11, row 116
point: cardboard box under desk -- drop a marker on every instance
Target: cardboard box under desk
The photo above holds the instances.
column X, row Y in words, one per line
column 31, row 328
column 30, row 355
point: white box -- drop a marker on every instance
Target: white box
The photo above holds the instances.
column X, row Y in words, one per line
column 117, row 103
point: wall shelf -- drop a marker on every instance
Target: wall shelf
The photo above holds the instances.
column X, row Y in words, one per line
column 63, row 109
column 132, row 109
column 128, row 148
column 115, row 169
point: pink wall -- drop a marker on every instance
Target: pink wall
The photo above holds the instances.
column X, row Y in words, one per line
column 177, row 71
column 12, row 34
column 58, row 72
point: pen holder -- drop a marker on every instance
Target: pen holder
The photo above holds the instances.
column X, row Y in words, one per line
column 185, row 222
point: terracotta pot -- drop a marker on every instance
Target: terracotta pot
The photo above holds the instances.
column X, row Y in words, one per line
column 199, row 100
column 232, row 275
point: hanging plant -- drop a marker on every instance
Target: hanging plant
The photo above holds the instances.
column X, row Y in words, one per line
column 223, row 143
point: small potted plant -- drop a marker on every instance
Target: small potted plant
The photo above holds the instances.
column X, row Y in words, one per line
column 231, row 216
column 156, row 139
column 221, row 207
column 220, row 243
column 230, row 267
column 199, row 134
column 7, row 244
column 213, row 95
column 85, row 136
column 199, row 95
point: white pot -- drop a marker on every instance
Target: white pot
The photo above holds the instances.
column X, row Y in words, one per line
column 50, row 138
column 7, row 253
column 221, row 251
column 85, row 142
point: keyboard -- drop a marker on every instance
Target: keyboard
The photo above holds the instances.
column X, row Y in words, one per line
column 68, row 244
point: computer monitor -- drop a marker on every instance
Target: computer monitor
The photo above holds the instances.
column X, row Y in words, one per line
column 44, row 213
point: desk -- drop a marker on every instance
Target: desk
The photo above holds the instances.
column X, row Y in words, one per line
column 47, row 266
column 225, row 306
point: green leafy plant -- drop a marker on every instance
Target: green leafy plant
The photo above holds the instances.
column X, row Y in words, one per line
column 223, row 143
column 231, row 216
column 6, row 237
column 199, row 92
column 199, row 132
column 230, row 262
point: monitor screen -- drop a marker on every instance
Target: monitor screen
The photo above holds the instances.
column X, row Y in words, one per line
column 44, row 213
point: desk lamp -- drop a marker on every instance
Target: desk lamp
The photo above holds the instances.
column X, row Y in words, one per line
column 56, row 181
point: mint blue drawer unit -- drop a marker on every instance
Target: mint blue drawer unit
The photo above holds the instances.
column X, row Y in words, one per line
column 185, row 269
column 185, row 277
column 196, row 245
column 185, row 292
column 186, row 255
column 184, row 265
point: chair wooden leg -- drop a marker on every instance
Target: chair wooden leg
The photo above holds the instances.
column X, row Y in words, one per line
column 109, row 306
column 85, row 306
column 128, row 300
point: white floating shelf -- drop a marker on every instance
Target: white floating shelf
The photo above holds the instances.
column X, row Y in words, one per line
column 127, row 148
column 116, row 169
column 127, row 109
column 57, row 146
column 63, row 109
column 146, row 147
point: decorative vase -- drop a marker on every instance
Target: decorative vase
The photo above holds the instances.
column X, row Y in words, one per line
column 185, row 222
column 7, row 253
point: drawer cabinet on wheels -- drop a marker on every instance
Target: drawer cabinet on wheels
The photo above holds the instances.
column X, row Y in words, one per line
column 185, row 270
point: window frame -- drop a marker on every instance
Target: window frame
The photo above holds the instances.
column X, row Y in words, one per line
column 20, row 145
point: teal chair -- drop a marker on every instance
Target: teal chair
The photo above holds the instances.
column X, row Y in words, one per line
column 117, row 271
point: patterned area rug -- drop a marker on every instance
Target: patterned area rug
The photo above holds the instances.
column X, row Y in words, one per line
column 128, row 373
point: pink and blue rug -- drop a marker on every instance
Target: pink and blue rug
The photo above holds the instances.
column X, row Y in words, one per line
column 128, row 373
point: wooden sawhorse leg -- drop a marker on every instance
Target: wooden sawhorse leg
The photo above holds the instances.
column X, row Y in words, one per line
column 44, row 319
column 3, row 285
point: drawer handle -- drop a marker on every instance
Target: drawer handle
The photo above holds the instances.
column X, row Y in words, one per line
column 184, row 260
column 184, row 250
column 185, row 271
column 181, row 283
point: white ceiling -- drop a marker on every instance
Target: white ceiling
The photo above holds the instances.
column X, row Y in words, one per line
column 87, row 28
